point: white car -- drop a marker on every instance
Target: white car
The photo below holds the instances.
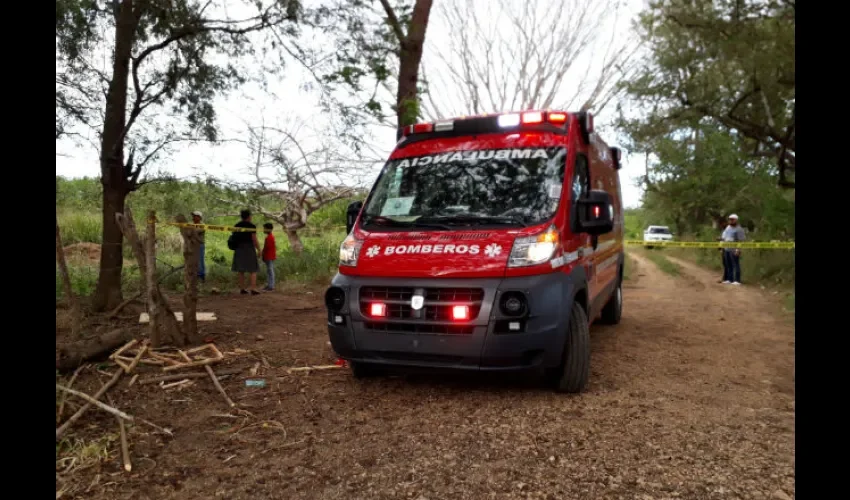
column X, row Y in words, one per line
column 657, row 233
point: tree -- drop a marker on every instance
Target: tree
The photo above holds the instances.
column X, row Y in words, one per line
column 507, row 55
column 410, row 55
column 697, row 179
column 383, row 46
column 176, row 53
column 729, row 62
column 294, row 175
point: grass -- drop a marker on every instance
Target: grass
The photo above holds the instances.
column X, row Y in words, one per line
column 664, row 263
column 790, row 302
column 770, row 268
column 318, row 262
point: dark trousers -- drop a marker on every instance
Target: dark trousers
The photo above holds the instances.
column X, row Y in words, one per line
column 731, row 266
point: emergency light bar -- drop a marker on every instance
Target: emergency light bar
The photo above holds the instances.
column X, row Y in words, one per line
column 541, row 120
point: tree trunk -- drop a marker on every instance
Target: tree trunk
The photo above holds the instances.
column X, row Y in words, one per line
column 76, row 317
column 294, row 241
column 191, row 254
column 113, row 176
column 410, row 57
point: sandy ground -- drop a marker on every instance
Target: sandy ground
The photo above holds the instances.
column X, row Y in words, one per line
column 691, row 396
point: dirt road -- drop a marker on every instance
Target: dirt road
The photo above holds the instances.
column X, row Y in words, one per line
column 690, row 397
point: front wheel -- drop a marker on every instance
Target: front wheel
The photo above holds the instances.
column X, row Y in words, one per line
column 363, row 370
column 613, row 310
column 575, row 367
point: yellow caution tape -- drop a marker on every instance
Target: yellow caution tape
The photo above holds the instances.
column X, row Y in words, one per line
column 784, row 245
column 234, row 229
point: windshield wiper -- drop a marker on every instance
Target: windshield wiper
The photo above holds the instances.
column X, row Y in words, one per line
column 386, row 221
column 474, row 219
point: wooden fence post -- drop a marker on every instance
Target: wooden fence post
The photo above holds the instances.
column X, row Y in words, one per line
column 150, row 278
column 191, row 254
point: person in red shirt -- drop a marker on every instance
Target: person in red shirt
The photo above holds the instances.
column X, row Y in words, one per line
column 269, row 256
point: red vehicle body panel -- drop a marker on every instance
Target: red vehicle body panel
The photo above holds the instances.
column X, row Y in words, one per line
column 466, row 265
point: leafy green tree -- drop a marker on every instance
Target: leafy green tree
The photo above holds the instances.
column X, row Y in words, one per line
column 174, row 54
column 381, row 47
column 699, row 179
column 727, row 62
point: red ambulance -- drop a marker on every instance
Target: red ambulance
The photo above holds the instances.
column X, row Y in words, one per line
column 487, row 243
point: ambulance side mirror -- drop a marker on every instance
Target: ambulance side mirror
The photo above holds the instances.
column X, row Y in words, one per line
column 595, row 213
column 351, row 215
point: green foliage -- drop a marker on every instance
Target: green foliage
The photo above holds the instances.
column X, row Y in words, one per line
column 635, row 222
column 331, row 215
column 699, row 179
column 721, row 62
column 78, row 203
column 176, row 54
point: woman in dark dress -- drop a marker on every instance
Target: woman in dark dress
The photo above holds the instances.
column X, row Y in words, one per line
column 245, row 255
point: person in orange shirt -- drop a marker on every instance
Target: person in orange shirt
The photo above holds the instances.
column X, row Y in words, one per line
column 269, row 256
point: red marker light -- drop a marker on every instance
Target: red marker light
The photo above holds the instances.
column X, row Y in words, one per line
column 423, row 128
column 596, row 212
column 378, row 309
column 557, row 117
column 460, row 313
column 533, row 117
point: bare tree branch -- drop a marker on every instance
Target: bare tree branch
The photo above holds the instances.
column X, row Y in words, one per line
column 522, row 54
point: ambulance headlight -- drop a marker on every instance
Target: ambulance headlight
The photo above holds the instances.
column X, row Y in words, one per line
column 536, row 249
column 349, row 251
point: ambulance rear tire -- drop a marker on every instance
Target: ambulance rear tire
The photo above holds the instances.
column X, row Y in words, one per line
column 613, row 310
column 363, row 370
column 575, row 366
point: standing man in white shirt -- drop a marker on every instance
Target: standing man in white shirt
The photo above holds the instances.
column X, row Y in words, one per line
column 732, row 256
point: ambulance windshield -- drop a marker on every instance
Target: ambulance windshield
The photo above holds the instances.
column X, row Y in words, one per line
column 512, row 187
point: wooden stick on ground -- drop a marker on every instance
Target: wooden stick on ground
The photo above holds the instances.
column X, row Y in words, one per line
column 102, row 406
column 109, row 409
column 143, row 361
column 176, row 384
column 181, row 376
column 310, row 368
column 138, row 357
column 121, row 364
column 125, row 448
column 123, row 348
column 193, row 364
column 162, row 357
column 79, row 413
column 62, row 402
column 219, row 387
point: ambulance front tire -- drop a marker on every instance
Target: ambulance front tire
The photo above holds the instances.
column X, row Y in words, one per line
column 572, row 375
column 613, row 310
column 363, row 370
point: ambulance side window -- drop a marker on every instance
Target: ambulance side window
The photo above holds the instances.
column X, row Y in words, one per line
column 581, row 178
column 580, row 186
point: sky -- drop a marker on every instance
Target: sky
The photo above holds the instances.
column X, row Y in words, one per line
column 287, row 103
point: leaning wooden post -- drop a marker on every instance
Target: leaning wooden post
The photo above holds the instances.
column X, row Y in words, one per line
column 167, row 329
column 191, row 255
column 74, row 304
column 150, row 277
